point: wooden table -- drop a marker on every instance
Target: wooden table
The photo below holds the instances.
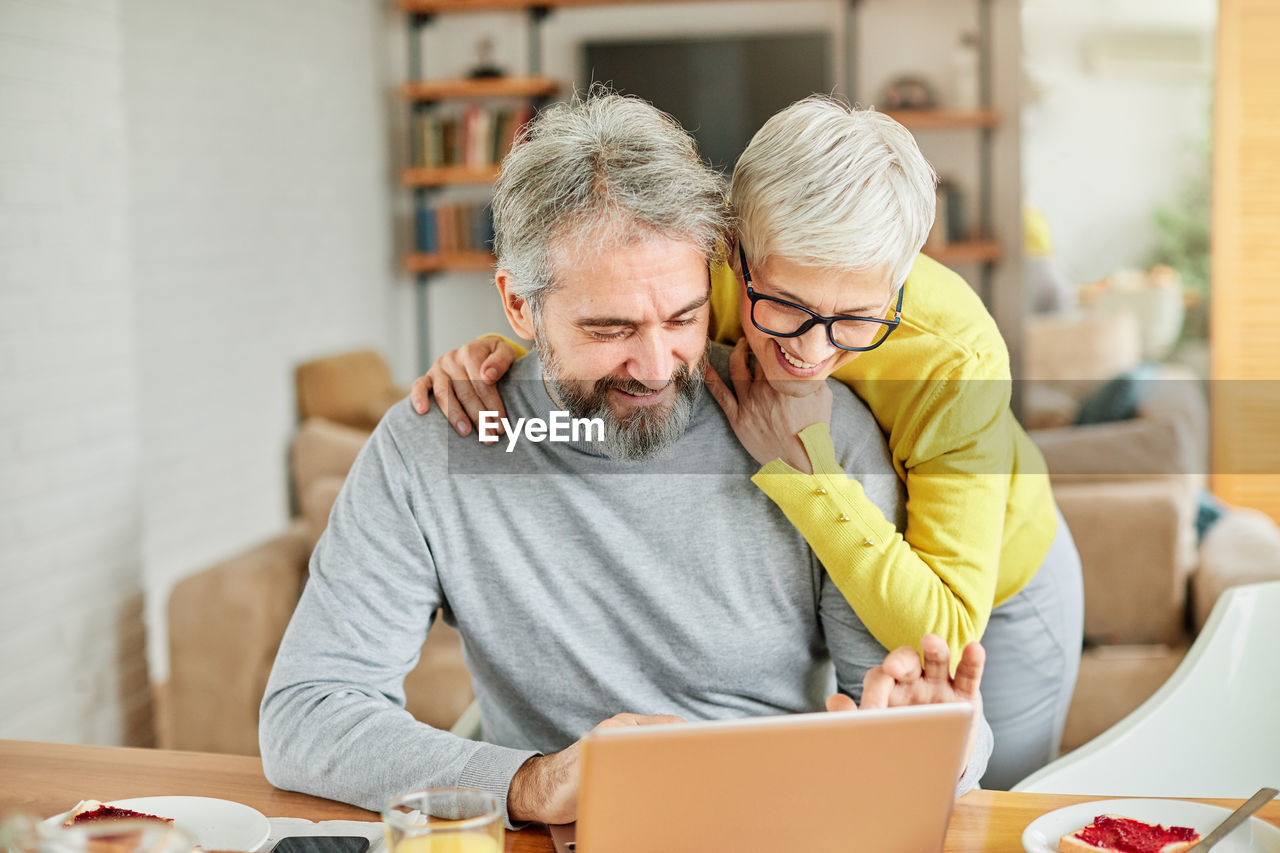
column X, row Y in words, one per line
column 46, row 778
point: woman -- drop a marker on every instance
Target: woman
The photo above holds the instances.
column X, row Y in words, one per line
column 826, row 280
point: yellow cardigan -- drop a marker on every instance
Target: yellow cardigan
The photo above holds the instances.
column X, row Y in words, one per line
column 980, row 516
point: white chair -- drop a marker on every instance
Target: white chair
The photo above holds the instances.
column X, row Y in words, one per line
column 1212, row 730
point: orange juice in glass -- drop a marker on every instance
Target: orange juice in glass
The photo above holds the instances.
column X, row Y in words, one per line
column 444, row 820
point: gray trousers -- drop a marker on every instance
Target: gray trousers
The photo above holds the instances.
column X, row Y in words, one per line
column 1033, row 655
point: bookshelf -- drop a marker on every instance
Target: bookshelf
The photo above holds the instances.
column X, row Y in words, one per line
column 442, row 176
column 946, row 118
column 422, row 96
column 979, row 247
column 431, row 7
column 496, row 87
column 459, row 131
column 967, row 252
column 424, row 262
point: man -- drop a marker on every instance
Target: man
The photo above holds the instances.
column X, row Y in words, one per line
column 641, row 573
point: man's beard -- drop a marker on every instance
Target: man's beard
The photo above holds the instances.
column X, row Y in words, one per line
column 644, row 432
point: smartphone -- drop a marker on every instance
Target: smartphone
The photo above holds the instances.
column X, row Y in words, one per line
column 321, row 844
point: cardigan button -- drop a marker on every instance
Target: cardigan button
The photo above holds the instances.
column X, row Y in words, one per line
column 843, row 517
column 867, row 542
column 819, row 491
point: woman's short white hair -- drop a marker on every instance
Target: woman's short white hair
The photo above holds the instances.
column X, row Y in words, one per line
column 825, row 185
column 600, row 171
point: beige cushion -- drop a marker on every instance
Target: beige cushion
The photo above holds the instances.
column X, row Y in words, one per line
column 1113, row 681
column 1047, row 407
column 1243, row 547
column 323, row 449
column 1136, row 543
column 316, row 504
column 353, row 388
column 1139, row 448
column 1087, row 347
column 1177, row 396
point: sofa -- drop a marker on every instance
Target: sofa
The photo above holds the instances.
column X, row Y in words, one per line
column 217, row 676
column 1132, row 492
column 1128, row 490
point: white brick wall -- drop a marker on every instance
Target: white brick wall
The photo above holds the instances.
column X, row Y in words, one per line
column 194, row 197
column 261, row 237
column 71, row 634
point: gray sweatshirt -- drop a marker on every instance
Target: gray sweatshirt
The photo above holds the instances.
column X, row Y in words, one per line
column 582, row 588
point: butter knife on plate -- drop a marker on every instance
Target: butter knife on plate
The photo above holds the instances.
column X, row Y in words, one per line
column 1237, row 817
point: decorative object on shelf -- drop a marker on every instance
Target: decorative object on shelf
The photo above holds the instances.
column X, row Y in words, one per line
column 951, row 222
column 966, row 88
column 908, row 92
column 937, row 238
column 485, row 69
column 957, row 206
column 1153, row 296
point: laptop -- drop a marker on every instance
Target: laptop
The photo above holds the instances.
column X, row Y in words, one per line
column 881, row 781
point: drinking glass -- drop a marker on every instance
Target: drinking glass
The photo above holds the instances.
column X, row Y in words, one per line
column 444, row 820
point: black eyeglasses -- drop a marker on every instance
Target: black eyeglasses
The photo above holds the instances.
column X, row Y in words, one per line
column 785, row 319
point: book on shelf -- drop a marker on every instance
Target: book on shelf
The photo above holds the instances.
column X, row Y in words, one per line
column 476, row 137
column 447, row 228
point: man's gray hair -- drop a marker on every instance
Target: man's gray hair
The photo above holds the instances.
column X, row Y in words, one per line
column 601, row 171
column 824, row 185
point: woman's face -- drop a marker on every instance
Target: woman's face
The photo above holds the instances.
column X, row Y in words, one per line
column 792, row 364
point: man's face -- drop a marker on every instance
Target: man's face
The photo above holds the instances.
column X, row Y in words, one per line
column 623, row 337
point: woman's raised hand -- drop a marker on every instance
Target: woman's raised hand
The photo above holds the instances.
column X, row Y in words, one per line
column 463, row 382
column 765, row 420
column 910, row 678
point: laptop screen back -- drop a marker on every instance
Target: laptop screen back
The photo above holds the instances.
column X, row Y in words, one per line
column 880, row 781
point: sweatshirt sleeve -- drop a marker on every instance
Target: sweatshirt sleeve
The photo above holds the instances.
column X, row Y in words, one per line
column 333, row 721
column 940, row 577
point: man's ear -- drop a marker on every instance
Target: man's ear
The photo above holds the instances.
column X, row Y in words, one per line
column 519, row 311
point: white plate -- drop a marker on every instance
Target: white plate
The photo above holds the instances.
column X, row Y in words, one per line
column 211, row 823
column 1255, row 836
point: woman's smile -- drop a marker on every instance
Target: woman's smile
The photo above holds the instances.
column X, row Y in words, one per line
column 795, row 366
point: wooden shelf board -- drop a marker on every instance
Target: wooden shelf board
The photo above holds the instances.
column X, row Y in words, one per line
column 920, row 119
column 970, row 252
column 443, row 261
column 496, row 87
column 431, row 7
column 419, row 176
